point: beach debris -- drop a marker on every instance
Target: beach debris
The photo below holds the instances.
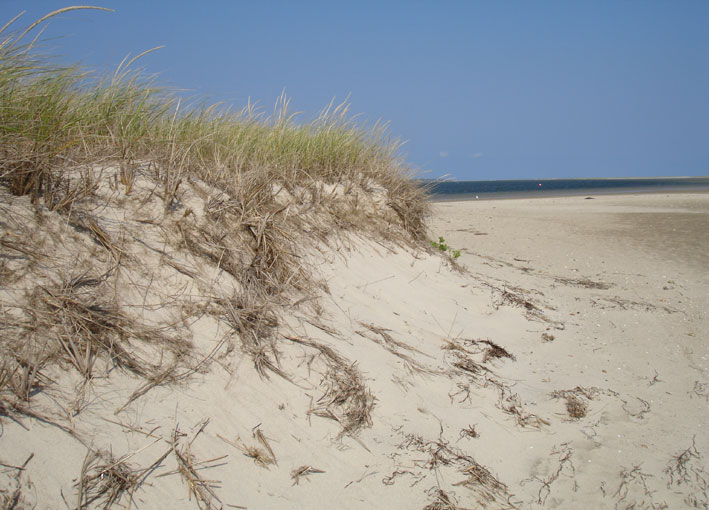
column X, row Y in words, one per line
column 469, row 432
column 633, row 490
column 494, row 351
column 687, row 470
column 391, row 479
column 701, row 390
column 510, row 403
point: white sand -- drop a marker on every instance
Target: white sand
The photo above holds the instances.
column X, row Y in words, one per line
column 603, row 300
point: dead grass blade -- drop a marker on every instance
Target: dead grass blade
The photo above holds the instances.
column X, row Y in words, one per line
column 201, row 489
column 262, row 439
column 259, row 456
column 303, row 471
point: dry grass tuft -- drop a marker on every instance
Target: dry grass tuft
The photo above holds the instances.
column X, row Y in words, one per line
column 486, row 487
column 104, row 478
column 22, row 376
column 345, row 397
column 252, row 317
column 576, row 400
column 82, row 315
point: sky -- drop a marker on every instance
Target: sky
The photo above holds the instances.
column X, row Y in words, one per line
column 477, row 89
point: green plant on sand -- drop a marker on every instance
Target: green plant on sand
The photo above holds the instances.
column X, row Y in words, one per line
column 443, row 246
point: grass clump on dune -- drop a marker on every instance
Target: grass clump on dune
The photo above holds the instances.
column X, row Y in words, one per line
column 109, row 182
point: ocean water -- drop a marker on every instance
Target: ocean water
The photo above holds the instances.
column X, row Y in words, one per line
column 467, row 190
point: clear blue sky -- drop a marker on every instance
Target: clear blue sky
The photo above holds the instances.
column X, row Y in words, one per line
column 479, row 90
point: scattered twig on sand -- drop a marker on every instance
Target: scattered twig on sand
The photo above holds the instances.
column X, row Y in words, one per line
column 637, row 409
column 511, row 404
column 547, row 337
column 682, row 470
column 632, row 481
column 564, row 454
column 628, row 304
column 655, row 379
column 391, row 479
column 170, row 375
column 469, row 432
column 483, row 482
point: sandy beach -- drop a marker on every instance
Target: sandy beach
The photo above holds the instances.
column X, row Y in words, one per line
column 561, row 361
column 623, row 281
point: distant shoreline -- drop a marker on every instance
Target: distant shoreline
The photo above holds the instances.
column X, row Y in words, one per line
column 506, row 189
column 522, row 195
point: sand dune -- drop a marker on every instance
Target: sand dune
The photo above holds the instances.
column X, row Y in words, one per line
column 560, row 361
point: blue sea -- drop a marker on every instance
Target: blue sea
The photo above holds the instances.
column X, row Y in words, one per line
column 467, row 190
